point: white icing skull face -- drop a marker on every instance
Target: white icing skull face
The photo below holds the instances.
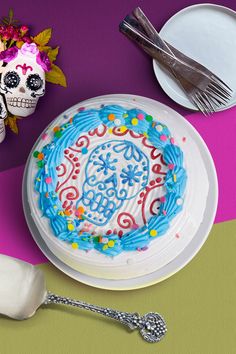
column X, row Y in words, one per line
column 22, row 83
column 116, row 171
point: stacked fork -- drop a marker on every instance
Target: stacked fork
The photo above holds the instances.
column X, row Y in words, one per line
column 203, row 88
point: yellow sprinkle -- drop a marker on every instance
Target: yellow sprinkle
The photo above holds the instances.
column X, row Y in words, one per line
column 125, row 115
column 111, row 243
column 75, row 245
column 55, row 207
column 110, row 130
column 123, row 129
column 38, row 179
column 105, row 247
column 174, row 177
column 145, row 134
column 70, row 227
column 134, row 121
column 153, row 233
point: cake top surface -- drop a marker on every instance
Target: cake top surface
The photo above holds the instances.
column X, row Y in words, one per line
column 111, row 179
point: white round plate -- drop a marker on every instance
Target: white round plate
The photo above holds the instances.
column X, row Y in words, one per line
column 206, row 33
column 176, row 123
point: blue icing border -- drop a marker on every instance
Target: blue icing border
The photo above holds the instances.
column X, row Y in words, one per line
column 68, row 230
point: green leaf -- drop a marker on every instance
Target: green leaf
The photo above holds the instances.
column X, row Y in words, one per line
column 43, row 37
column 11, row 15
column 56, row 76
column 52, row 54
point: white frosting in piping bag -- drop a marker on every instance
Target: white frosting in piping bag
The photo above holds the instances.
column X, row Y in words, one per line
column 22, row 288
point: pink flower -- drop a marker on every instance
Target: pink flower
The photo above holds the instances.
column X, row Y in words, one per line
column 43, row 60
column 29, row 49
column 24, row 29
column 9, row 54
column 27, row 39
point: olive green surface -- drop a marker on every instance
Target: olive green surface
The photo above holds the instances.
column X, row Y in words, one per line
column 198, row 303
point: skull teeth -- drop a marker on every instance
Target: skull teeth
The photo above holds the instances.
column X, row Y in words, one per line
column 21, row 102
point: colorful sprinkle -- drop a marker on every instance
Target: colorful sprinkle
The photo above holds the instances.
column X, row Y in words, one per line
column 71, row 120
column 44, row 136
column 81, row 109
column 84, row 150
column 58, row 134
column 70, row 227
column 36, row 153
column 123, row 129
column 111, row 243
column 117, row 122
column 140, row 116
column 40, row 156
column 159, row 128
column 48, row 180
column 104, row 239
column 149, row 118
column 105, row 247
column 40, row 164
column 172, row 141
column 177, row 235
column 74, row 245
column 153, row 233
column 110, row 130
column 164, row 212
column 80, row 210
column 163, row 137
column 134, row 121
column 145, row 134
column 163, row 199
column 174, row 177
column 135, row 226
column 56, row 129
column 67, row 212
column 179, row 201
column 184, row 139
column 125, row 115
column 111, row 117
column 171, row 166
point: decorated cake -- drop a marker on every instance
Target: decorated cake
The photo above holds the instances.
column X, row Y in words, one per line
column 108, row 183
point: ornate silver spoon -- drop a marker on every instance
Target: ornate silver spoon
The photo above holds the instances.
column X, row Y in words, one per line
column 23, row 291
column 152, row 326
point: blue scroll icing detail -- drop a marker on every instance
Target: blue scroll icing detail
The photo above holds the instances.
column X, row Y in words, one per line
column 105, row 194
column 103, row 197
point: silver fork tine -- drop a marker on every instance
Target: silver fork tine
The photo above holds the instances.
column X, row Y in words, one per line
column 216, row 100
column 204, row 102
column 208, row 100
column 217, row 93
column 221, row 89
column 200, row 105
column 217, row 79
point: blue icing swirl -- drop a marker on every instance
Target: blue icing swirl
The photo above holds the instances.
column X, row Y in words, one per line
column 172, row 154
column 175, row 180
column 160, row 223
column 135, row 239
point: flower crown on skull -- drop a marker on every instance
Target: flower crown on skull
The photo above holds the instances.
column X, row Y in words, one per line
column 30, row 51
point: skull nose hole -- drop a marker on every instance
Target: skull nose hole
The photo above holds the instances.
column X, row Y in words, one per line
column 22, row 90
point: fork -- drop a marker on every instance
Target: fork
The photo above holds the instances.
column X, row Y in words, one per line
column 203, row 88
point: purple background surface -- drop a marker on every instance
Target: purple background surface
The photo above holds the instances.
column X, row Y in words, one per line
column 95, row 57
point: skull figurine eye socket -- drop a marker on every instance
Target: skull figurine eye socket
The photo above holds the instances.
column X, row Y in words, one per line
column 34, row 82
column 11, row 79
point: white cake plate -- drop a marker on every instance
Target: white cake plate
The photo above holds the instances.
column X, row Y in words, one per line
column 164, row 113
column 206, row 33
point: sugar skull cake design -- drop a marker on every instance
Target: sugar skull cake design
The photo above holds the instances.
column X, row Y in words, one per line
column 110, row 180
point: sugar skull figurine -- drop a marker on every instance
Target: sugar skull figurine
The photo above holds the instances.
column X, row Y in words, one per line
column 22, row 80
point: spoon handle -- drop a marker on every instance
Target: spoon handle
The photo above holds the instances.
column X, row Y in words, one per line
column 152, row 326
